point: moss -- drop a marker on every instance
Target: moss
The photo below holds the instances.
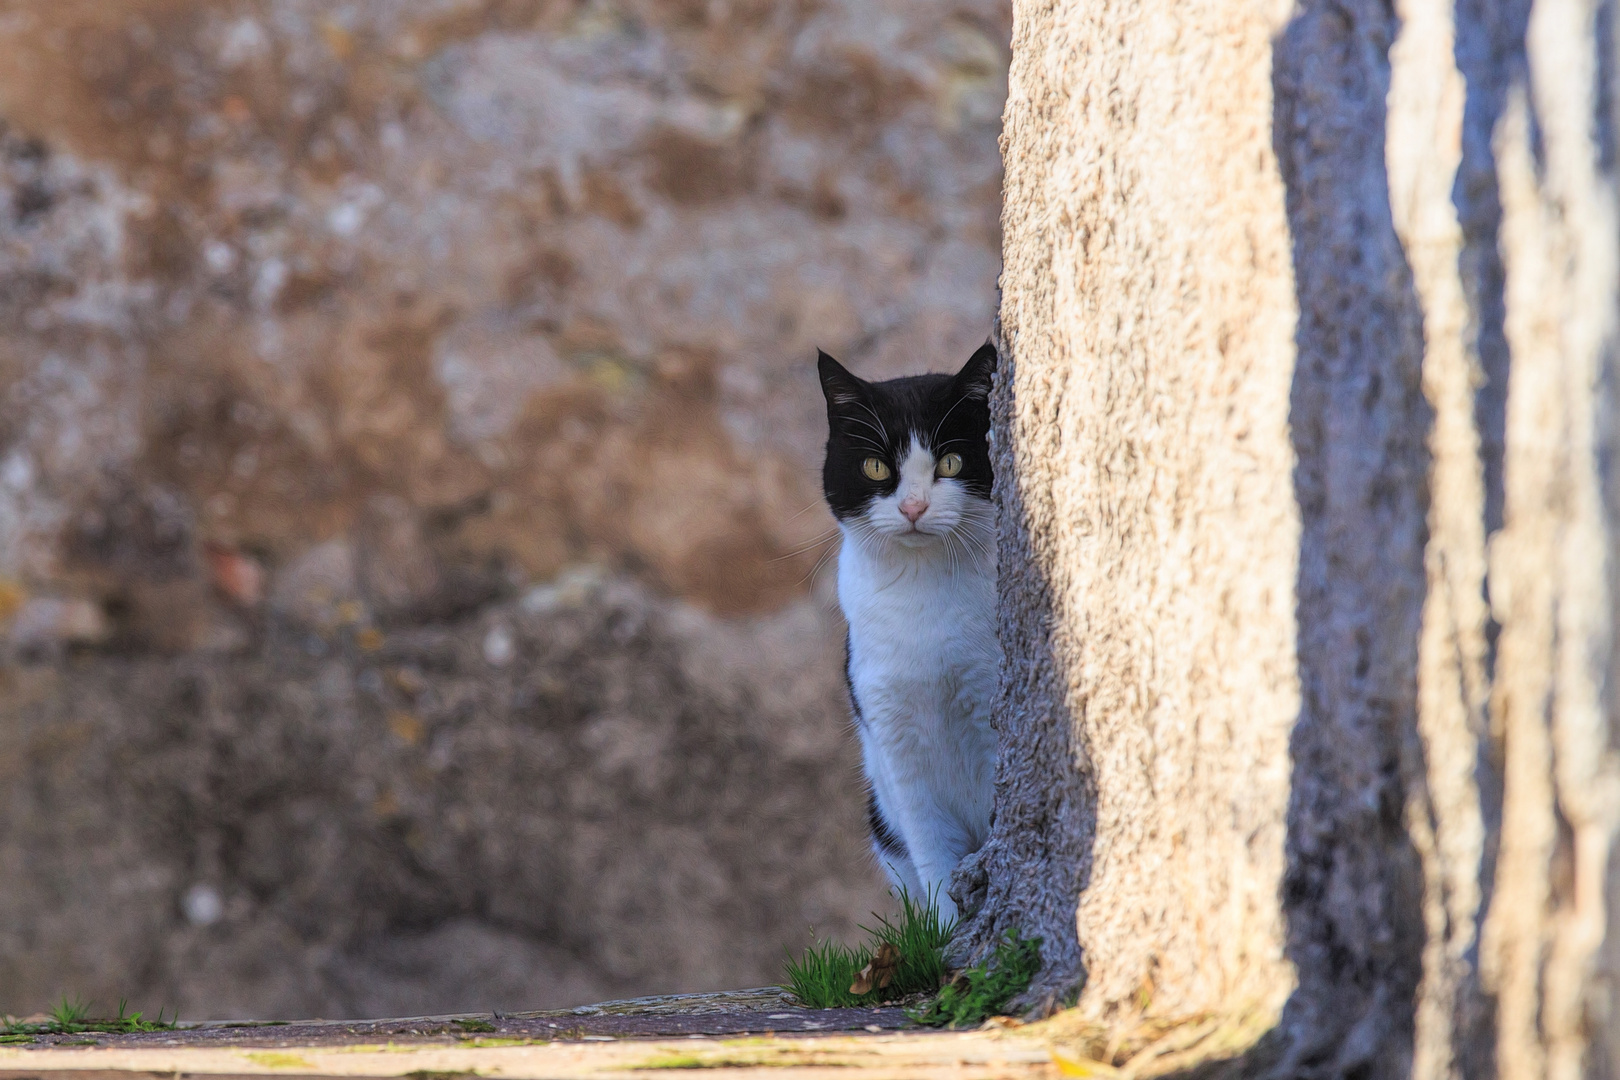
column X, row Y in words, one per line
column 984, row 990
column 694, row 1061
column 276, row 1059
column 72, row 1017
column 488, row 1044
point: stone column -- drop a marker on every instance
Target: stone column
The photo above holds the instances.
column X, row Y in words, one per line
column 1304, row 438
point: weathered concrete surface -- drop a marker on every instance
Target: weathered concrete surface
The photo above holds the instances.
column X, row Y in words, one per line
column 632, row 1038
column 621, row 1038
column 969, row 1055
column 736, row 1012
column 329, row 334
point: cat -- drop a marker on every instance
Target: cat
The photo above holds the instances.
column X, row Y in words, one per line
column 908, row 477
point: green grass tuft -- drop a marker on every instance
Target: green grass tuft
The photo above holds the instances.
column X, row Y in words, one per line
column 984, row 990
column 821, row 976
column 921, row 936
column 73, row 1018
column 68, row 1013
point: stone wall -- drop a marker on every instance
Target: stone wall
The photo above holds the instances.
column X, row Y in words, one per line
column 1308, row 420
column 408, row 513
column 1148, row 528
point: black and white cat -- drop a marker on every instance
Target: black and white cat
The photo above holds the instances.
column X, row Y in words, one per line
column 908, row 478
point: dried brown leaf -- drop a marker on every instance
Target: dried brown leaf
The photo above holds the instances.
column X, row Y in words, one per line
column 879, row 973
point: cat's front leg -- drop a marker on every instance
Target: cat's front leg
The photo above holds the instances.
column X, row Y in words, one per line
column 937, row 842
column 899, row 869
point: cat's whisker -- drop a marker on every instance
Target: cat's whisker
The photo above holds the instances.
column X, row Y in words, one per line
column 820, row 562
column 858, row 439
column 881, row 451
column 944, row 418
column 808, row 546
column 881, row 433
column 816, row 569
column 809, row 506
column 969, row 554
column 881, row 429
column 967, row 537
column 865, row 531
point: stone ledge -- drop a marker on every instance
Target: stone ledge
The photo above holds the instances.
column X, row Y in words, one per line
column 969, row 1055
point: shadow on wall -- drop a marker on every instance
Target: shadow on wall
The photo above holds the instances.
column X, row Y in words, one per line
column 1361, row 861
column 1046, row 797
column 1354, row 889
column 1351, row 868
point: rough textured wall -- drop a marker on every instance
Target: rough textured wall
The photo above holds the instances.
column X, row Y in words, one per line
column 409, row 829
column 1149, row 532
column 1454, row 787
column 1451, row 831
column 1551, row 943
column 1439, row 540
column 332, row 336
column 1354, row 887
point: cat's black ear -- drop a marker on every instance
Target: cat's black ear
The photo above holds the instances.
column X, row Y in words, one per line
column 974, row 379
column 842, row 388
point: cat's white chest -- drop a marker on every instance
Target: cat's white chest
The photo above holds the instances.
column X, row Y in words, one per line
column 922, row 670
column 917, row 625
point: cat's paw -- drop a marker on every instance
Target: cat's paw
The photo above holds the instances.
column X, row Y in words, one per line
column 970, row 884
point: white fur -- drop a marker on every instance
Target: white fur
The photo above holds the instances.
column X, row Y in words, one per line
column 920, row 603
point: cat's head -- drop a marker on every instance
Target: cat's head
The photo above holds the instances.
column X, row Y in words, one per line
column 908, row 460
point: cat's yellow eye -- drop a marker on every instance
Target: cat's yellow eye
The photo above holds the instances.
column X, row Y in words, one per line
column 875, row 469
column 949, row 465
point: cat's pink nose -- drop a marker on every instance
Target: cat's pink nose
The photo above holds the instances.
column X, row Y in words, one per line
column 913, row 508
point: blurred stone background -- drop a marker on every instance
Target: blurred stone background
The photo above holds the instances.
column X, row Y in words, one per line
column 408, row 448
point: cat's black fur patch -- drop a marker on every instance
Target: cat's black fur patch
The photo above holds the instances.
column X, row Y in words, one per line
column 849, row 683
column 884, row 836
column 876, row 419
